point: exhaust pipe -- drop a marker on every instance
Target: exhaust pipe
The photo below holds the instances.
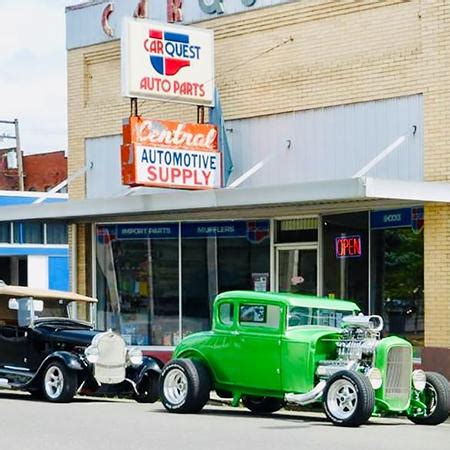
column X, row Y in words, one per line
column 309, row 397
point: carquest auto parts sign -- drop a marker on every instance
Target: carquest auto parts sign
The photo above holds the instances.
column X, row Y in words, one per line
column 167, row 62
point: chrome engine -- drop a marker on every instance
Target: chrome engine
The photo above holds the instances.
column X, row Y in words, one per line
column 356, row 347
column 359, row 338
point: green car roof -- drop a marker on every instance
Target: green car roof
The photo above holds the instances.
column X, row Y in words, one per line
column 289, row 299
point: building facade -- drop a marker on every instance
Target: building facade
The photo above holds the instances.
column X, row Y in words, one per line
column 33, row 253
column 42, row 171
column 345, row 103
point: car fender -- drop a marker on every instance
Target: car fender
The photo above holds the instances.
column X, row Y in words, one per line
column 70, row 360
column 148, row 366
column 191, row 353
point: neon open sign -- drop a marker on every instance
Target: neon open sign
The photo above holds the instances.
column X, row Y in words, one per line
column 348, row 246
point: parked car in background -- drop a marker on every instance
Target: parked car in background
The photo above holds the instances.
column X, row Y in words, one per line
column 269, row 348
column 49, row 347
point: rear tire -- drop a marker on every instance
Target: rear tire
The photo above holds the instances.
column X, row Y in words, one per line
column 59, row 384
column 184, row 386
column 349, row 399
column 148, row 389
column 436, row 396
column 262, row 405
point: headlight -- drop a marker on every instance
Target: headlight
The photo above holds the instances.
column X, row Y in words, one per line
column 375, row 378
column 91, row 354
column 135, row 356
column 419, row 380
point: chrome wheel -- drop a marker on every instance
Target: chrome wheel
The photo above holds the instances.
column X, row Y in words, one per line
column 54, row 382
column 436, row 399
column 342, row 399
column 430, row 396
column 176, row 386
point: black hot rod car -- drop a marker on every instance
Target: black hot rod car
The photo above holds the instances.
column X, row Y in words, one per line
column 49, row 347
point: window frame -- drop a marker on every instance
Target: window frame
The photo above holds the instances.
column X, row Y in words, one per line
column 257, row 326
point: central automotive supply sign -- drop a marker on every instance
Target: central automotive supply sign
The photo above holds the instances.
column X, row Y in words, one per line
column 170, row 154
column 167, row 62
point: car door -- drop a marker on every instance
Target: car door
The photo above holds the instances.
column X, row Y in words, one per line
column 13, row 337
column 13, row 346
column 257, row 346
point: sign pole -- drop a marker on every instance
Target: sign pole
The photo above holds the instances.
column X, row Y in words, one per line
column 133, row 107
column 201, row 114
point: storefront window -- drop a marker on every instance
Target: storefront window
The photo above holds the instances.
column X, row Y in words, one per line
column 345, row 257
column 28, row 233
column 137, row 279
column 56, row 233
column 5, row 232
column 397, row 272
column 138, row 274
column 199, row 283
column 218, row 257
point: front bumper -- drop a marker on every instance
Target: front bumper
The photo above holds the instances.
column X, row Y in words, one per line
column 129, row 385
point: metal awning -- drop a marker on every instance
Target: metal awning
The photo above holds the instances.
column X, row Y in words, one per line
column 299, row 198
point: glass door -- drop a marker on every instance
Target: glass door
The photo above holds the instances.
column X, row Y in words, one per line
column 297, row 269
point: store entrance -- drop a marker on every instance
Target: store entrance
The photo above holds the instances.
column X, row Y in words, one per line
column 297, row 269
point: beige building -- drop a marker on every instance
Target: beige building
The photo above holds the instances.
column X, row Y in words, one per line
column 354, row 98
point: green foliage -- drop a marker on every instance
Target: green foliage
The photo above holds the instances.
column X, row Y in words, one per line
column 403, row 263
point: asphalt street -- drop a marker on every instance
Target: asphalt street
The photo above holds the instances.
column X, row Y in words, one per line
column 88, row 423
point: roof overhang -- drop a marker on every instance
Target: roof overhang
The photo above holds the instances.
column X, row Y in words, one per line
column 308, row 197
column 43, row 294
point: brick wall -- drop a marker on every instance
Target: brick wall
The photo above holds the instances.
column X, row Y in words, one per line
column 298, row 56
column 41, row 171
column 44, row 171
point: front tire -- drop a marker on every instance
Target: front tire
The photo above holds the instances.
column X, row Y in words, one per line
column 36, row 394
column 436, row 397
column 59, row 384
column 184, row 386
column 148, row 389
column 349, row 399
column 262, row 405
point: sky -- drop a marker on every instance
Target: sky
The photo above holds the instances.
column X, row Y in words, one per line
column 33, row 85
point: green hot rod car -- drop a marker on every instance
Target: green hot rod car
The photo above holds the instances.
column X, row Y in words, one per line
column 269, row 348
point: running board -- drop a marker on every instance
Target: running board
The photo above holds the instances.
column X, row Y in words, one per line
column 310, row 397
column 17, row 371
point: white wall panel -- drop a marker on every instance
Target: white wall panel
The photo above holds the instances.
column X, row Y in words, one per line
column 38, row 271
column 103, row 177
column 331, row 143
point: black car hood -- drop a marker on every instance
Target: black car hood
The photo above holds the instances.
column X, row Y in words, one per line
column 77, row 336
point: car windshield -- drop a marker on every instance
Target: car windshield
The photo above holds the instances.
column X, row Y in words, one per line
column 300, row 316
column 31, row 310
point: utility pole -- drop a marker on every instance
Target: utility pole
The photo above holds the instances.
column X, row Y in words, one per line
column 15, row 122
column 19, row 156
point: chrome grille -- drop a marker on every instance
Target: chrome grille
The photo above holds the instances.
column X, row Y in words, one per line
column 398, row 376
column 110, row 367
